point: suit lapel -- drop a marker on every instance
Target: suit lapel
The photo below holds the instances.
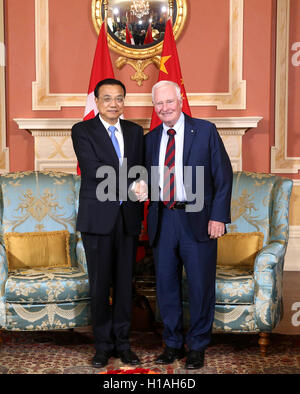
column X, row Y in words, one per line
column 156, row 145
column 103, row 141
column 126, row 138
column 189, row 133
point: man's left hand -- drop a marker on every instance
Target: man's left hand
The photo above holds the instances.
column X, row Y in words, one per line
column 216, row 229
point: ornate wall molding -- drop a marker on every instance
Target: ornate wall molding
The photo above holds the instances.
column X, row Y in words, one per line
column 292, row 261
column 42, row 99
column 54, row 150
column 235, row 98
column 280, row 161
column 4, row 151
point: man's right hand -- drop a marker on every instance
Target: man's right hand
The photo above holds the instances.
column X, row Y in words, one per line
column 141, row 191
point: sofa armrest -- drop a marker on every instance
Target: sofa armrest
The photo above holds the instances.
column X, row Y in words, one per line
column 80, row 254
column 3, row 278
column 272, row 254
column 268, row 275
column 3, row 270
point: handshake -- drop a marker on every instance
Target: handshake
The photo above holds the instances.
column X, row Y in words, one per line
column 141, row 190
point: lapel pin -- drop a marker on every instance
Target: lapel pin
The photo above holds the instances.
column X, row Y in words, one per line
column 192, row 131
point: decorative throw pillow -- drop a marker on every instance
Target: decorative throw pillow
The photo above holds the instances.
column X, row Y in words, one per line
column 38, row 249
column 239, row 249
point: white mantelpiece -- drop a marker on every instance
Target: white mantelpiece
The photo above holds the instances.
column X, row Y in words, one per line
column 54, row 150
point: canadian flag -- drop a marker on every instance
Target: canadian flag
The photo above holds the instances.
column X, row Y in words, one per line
column 102, row 69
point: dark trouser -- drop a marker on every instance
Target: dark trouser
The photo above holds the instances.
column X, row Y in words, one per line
column 176, row 247
column 110, row 261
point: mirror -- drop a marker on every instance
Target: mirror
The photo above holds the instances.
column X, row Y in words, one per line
column 136, row 27
column 145, row 24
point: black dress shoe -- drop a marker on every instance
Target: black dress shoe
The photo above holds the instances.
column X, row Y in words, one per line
column 128, row 357
column 195, row 359
column 101, row 358
column 169, row 355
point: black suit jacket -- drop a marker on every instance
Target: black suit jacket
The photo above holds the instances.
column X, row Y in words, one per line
column 94, row 149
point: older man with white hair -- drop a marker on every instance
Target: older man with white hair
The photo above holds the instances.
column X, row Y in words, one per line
column 182, row 232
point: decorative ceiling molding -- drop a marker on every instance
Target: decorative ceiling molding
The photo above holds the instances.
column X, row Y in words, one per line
column 235, row 98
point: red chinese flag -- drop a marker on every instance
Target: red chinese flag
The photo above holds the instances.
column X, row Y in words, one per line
column 101, row 69
column 170, row 71
column 148, row 39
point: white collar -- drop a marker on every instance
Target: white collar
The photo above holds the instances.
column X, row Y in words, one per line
column 107, row 125
column 176, row 126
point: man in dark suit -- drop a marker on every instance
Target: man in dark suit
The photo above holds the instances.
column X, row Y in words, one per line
column 181, row 230
column 109, row 222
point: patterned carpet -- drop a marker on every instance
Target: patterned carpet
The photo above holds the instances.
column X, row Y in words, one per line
column 71, row 353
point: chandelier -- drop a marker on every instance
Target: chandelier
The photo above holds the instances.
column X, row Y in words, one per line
column 139, row 8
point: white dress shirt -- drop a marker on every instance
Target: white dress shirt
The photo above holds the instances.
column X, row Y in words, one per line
column 118, row 134
column 179, row 140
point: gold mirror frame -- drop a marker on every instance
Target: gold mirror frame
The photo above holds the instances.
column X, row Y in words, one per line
column 139, row 59
column 133, row 53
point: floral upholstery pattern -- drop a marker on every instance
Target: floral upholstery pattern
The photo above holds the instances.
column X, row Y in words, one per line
column 42, row 299
column 47, row 316
column 234, row 286
column 38, row 286
column 229, row 318
column 250, row 300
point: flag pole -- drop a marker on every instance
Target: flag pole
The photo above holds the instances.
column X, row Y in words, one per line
column 105, row 3
column 171, row 10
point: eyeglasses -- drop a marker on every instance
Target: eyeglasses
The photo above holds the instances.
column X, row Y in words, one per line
column 109, row 99
column 161, row 103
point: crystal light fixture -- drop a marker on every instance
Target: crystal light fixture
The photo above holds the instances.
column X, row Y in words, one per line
column 139, row 8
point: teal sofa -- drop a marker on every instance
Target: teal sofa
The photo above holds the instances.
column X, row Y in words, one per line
column 249, row 299
column 42, row 298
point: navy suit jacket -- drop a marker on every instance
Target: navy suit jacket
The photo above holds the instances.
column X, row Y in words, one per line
column 94, row 149
column 202, row 147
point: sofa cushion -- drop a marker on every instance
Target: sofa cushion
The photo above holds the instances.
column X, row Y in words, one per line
column 233, row 286
column 239, row 249
column 47, row 285
column 37, row 249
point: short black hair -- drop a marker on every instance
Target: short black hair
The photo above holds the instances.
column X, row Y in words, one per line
column 109, row 81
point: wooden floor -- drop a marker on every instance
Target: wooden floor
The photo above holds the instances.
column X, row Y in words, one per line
column 290, row 323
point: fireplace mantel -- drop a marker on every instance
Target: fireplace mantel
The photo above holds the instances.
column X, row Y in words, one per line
column 53, row 147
